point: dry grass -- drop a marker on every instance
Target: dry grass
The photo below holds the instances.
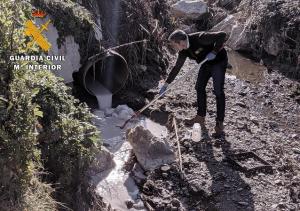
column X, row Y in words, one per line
column 36, row 197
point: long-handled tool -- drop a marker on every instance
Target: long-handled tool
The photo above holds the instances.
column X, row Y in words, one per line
column 136, row 114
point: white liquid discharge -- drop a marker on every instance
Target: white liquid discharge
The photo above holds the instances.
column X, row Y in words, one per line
column 116, row 185
column 103, row 95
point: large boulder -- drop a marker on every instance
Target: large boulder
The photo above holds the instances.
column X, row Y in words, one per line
column 150, row 151
column 265, row 29
column 189, row 9
column 272, row 45
column 103, row 162
column 238, row 38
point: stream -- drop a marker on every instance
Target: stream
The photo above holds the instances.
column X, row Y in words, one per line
column 115, row 185
column 244, row 68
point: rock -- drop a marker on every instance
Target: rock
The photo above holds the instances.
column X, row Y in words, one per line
column 108, row 111
column 139, row 205
column 100, row 114
column 120, row 108
column 280, row 205
column 138, row 173
column 175, row 203
column 189, row 28
column 272, row 45
column 243, row 203
column 242, row 93
column 150, row 151
column 228, row 4
column 278, row 182
column 219, row 176
column 225, row 25
column 241, row 104
column 123, row 112
column 196, row 187
column 115, row 115
column 218, row 14
column 237, row 36
column 275, row 81
column 189, row 9
column 103, row 161
column 254, row 120
column 165, row 168
column 273, row 125
column 124, row 115
column 296, row 150
column 129, row 204
column 227, row 186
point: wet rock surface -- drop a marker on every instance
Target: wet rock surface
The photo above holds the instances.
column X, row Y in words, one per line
column 257, row 27
column 103, row 162
column 262, row 117
column 150, row 150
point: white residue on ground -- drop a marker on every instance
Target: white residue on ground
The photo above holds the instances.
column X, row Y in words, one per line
column 116, row 186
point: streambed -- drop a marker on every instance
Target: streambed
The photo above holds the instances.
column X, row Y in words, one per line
column 115, row 185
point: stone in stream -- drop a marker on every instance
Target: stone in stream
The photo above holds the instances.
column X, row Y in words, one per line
column 103, row 161
column 124, row 112
column 108, row 112
column 150, row 151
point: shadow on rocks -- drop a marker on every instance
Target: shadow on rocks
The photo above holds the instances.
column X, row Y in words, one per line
column 229, row 190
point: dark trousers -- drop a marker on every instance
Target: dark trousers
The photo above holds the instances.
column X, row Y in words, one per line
column 217, row 72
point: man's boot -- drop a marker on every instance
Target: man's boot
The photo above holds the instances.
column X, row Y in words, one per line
column 219, row 129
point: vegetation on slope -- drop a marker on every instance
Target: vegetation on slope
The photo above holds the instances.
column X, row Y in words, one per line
column 46, row 135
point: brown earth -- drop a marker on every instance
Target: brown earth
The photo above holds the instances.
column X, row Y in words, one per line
column 261, row 117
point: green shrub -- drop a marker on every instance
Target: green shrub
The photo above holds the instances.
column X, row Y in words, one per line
column 43, row 128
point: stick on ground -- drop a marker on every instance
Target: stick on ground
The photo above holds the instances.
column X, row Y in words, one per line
column 178, row 144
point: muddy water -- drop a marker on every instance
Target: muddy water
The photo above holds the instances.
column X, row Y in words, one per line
column 244, row 68
column 116, row 186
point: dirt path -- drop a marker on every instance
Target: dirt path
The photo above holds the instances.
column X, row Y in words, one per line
column 260, row 117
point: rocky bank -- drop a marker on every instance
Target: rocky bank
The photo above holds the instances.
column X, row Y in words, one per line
column 264, row 30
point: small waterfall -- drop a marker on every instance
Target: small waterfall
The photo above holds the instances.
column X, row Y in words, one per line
column 103, row 95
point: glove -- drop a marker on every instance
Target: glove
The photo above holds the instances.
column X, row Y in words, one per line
column 210, row 56
column 163, row 88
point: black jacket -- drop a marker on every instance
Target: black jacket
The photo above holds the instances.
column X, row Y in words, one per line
column 201, row 43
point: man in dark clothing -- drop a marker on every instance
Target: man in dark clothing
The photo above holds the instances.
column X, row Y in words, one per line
column 199, row 46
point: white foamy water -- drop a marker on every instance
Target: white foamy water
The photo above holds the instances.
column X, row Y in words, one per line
column 116, row 186
column 103, row 95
